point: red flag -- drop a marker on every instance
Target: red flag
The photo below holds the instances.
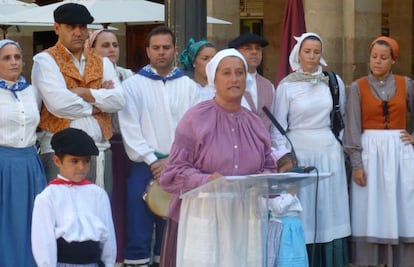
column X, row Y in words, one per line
column 293, row 25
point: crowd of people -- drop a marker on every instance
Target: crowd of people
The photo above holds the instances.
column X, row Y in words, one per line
column 80, row 146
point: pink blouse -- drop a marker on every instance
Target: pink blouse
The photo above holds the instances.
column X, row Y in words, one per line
column 209, row 139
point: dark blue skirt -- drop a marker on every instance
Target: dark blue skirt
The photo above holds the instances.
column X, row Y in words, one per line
column 22, row 177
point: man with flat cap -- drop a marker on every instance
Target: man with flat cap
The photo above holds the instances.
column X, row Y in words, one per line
column 259, row 90
column 78, row 90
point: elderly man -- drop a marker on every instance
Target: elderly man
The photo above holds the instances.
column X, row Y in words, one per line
column 78, row 90
column 259, row 90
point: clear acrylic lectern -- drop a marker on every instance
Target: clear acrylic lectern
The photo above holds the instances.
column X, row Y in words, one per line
column 221, row 223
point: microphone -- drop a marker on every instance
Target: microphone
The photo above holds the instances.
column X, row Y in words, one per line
column 295, row 168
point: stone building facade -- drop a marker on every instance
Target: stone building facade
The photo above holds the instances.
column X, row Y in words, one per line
column 346, row 26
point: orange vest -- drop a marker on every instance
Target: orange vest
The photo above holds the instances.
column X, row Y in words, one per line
column 92, row 78
column 372, row 107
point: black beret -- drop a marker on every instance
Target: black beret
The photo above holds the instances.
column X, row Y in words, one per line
column 72, row 14
column 74, row 142
column 246, row 39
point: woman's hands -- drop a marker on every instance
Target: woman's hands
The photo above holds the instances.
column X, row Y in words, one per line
column 406, row 138
column 358, row 175
column 214, row 176
column 157, row 167
column 285, row 163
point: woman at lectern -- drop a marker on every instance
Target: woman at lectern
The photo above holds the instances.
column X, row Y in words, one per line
column 215, row 138
column 302, row 107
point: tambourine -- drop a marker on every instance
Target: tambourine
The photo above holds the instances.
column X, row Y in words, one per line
column 157, row 199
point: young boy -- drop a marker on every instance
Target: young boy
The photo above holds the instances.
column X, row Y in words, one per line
column 72, row 221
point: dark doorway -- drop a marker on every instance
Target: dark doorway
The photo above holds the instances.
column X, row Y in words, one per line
column 43, row 40
column 135, row 45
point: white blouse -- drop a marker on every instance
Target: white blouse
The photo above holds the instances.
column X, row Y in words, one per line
column 301, row 105
column 19, row 117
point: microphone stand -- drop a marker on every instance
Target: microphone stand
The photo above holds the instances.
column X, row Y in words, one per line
column 299, row 169
column 295, row 168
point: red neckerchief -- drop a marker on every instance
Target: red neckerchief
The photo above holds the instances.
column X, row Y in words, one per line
column 68, row 182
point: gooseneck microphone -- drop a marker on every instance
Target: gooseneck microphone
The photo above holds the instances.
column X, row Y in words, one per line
column 295, row 168
column 299, row 169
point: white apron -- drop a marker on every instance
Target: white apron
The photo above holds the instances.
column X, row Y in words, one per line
column 220, row 230
column 319, row 148
column 383, row 210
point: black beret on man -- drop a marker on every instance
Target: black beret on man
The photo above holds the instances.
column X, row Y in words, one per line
column 74, row 142
column 248, row 38
column 72, row 14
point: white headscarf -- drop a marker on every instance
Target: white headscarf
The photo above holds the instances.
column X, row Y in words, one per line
column 5, row 42
column 294, row 55
column 212, row 65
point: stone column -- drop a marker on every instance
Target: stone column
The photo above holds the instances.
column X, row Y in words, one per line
column 186, row 19
column 346, row 28
column 400, row 24
column 367, row 26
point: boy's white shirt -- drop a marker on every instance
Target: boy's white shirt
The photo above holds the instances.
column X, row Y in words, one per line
column 75, row 213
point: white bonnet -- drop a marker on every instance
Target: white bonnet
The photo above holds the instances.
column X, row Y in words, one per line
column 294, row 54
column 212, row 65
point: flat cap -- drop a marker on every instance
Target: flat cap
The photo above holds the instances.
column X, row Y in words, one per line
column 72, row 14
column 74, row 142
column 247, row 38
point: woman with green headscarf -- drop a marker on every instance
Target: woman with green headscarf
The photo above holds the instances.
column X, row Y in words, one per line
column 194, row 60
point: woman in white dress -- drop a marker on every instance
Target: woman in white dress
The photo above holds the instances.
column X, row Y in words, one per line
column 302, row 107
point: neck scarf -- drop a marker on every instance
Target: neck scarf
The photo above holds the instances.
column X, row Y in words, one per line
column 60, row 181
column 20, row 85
column 312, row 78
column 148, row 72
